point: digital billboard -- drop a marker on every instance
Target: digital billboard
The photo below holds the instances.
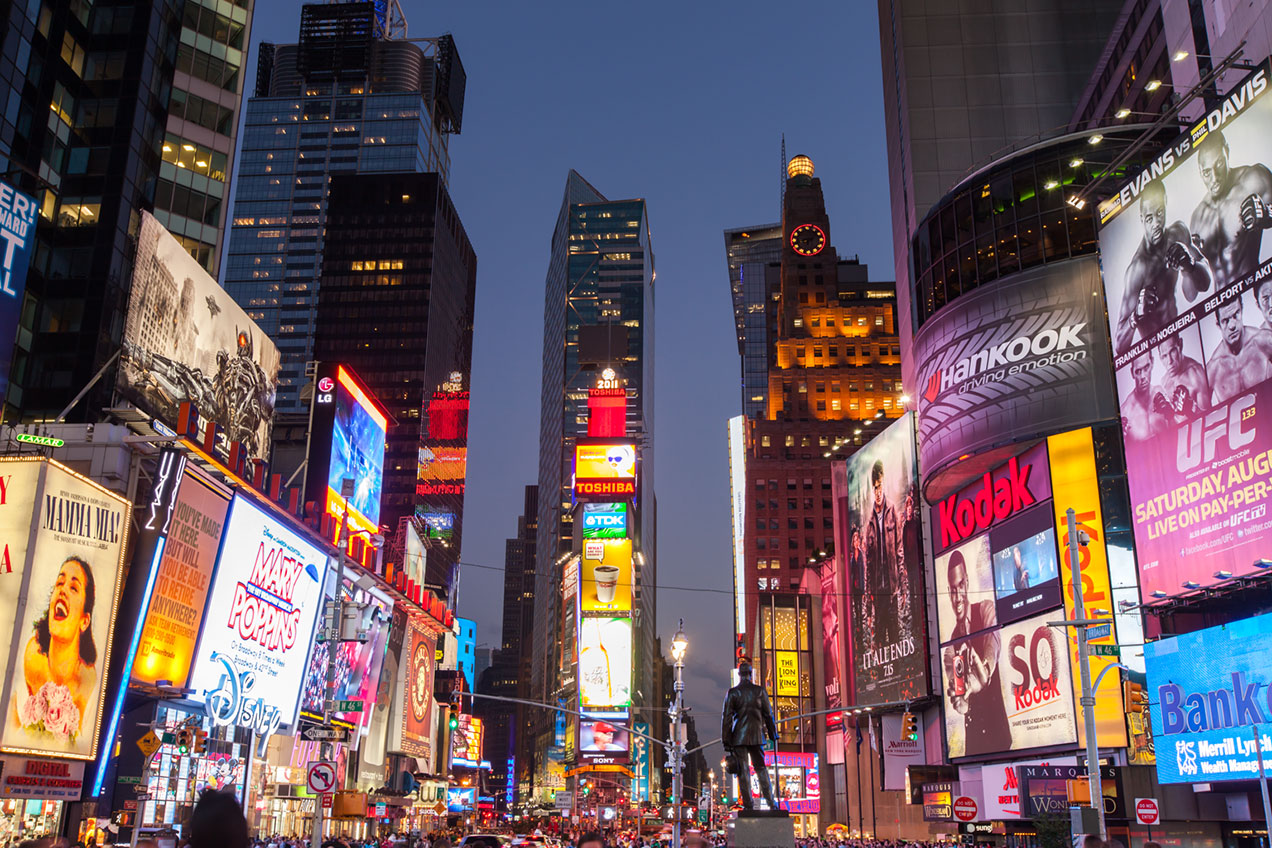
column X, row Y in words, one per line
column 358, row 664
column 192, row 536
column 795, row 781
column 185, row 339
column 604, row 739
column 885, row 569
column 466, row 742
column 1026, row 565
column 605, row 663
column 17, row 229
column 417, row 712
column 1008, row 689
column 1012, row 360
column 604, row 520
column 443, row 456
column 266, row 596
column 604, row 470
column 347, row 440
column 832, row 638
column 1188, row 275
column 607, row 576
column 439, row 525
column 1207, row 698
column 58, row 602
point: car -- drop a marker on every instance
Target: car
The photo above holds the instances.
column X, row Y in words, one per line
column 484, row 840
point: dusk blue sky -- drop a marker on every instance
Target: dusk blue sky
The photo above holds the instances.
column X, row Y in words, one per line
column 683, row 104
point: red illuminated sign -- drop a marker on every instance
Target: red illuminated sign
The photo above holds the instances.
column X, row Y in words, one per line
column 605, row 487
column 1017, row 484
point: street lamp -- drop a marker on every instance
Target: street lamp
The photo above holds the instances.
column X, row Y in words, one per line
column 678, row 645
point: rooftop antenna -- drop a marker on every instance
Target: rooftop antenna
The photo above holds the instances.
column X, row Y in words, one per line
column 781, row 172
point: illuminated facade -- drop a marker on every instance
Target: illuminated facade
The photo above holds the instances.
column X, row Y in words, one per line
column 598, row 317
column 833, row 370
column 341, row 101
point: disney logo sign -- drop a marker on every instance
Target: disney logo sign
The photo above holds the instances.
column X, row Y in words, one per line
column 229, row 702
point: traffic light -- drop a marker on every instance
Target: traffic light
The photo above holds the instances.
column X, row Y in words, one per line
column 200, row 738
column 1133, row 694
column 910, row 727
column 453, row 720
column 185, row 739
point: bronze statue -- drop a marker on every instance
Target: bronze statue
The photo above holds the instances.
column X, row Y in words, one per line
column 747, row 722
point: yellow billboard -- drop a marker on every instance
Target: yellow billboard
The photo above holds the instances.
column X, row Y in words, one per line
column 607, row 575
column 787, row 674
column 605, row 663
column 1074, row 486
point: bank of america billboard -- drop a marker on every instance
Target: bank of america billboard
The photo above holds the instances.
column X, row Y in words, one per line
column 1019, row 358
column 1188, row 276
column 1209, row 694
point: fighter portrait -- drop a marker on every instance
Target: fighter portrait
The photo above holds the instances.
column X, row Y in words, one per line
column 1230, row 219
column 1238, row 355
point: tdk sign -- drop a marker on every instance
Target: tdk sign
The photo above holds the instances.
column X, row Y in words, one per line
column 605, row 521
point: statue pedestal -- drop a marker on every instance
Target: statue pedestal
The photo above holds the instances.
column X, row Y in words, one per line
column 761, row 829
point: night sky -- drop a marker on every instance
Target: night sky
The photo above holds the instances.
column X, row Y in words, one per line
column 683, row 104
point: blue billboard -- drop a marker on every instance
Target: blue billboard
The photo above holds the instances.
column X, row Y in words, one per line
column 17, row 231
column 1209, row 696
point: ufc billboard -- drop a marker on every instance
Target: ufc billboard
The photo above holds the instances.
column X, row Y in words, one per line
column 1019, row 358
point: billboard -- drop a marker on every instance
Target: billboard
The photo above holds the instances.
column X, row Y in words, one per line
column 185, row 339
column 192, row 529
column 604, row 469
column 466, row 741
column 604, row 521
column 605, row 663
column 899, row 753
column 832, row 637
column 65, row 538
column 266, row 596
column 885, row 568
column 795, row 781
column 417, row 711
column 1008, row 689
column 606, row 572
column 1001, row 786
column 1013, row 360
column 346, row 441
column 17, row 228
column 443, row 458
column 1188, row 275
column 603, row 739
column 1206, row 695
column 358, row 664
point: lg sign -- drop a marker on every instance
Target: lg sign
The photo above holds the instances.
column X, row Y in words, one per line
column 325, row 386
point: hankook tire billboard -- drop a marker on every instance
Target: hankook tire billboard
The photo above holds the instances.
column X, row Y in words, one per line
column 1023, row 357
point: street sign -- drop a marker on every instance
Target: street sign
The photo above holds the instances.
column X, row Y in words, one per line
column 965, row 808
column 1147, row 811
column 702, row 815
column 564, row 800
column 345, row 706
column 130, row 805
column 327, row 800
column 128, row 778
column 324, row 734
column 380, row 809
column 149, row 743
column 1099, row 631
column 142, row 796
column 139, row 788
column 321, row 778
column 1105, row 650
column 439, row 808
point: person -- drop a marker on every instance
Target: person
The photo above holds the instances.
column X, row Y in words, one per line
column 1229, row 221
column 1184, row 393
column 591, row 840
column 1141, row 418
column 1263, row 300
column 746, row 722
column 1093, row 840
column 61, row 650
column 885, row 558
column 603, row 738
column 217, row 822
column 1022, row 573
column 973, row 683
column 1242, row 360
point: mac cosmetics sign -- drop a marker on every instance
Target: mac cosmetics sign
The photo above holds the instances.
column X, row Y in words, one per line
column 1020, row 358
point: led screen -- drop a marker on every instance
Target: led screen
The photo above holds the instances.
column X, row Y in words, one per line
column 605, row 663
column 357, row 450
column 603, row 739
column 607, row 575
column 604, row 521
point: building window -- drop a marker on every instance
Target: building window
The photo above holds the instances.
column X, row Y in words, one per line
column 765, row 441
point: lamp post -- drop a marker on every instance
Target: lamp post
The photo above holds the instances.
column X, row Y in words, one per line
column 678, row 645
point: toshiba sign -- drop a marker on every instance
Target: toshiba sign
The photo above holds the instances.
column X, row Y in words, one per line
column 1017, row 359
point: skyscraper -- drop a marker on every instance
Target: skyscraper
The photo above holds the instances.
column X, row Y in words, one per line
column 346, row 99
column 598, row 315
column 750, row 250
column 964, row 82
column 396, row 303
column 94, row 99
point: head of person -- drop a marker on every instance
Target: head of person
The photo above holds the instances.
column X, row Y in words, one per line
column 1142, row 372
column 1153, row 211
column 591, row 840
column 744, row 670
column 1230, row 323
column 1172, row 352
column 602, row 734
column 1093, row 840
column 957, row 572
column 69, row 617
column 1263, row 297
column 1212, row 160
column 876, row 482
column 217, row 822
